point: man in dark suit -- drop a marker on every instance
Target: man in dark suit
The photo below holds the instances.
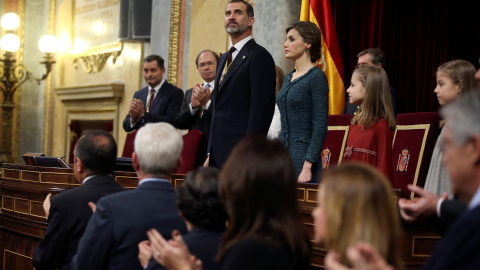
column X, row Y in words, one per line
column 121, row 220
column 244, row 97
column 196, row 112
column 160, row 101
column 68, row 212
column 371, row 57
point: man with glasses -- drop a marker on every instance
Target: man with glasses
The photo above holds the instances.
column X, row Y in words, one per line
column 195, row 112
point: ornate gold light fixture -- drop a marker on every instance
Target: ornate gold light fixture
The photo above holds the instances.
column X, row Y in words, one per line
column 13, row 75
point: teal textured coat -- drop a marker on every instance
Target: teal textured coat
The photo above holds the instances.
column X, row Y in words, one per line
column 303, row 105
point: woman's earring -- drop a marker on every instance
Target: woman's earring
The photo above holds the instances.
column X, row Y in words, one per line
column 306, row 49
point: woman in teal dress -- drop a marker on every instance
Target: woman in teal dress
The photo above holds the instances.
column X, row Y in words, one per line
column 303, row 101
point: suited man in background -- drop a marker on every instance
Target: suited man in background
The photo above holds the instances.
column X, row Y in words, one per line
column 371, row 57
column 244, row 96
column 68, row 212
column 196, row 112
column 121, row 221
column 160, row 101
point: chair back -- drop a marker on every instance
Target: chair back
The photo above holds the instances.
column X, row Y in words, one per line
column 413, row 142
column 332, row 149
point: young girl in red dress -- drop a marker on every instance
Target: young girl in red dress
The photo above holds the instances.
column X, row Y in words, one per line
column 371, row 130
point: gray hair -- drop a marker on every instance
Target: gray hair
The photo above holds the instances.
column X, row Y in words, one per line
column 158, row 147
column 463, row 116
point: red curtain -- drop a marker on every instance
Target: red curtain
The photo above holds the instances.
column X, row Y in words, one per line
column 416, row 36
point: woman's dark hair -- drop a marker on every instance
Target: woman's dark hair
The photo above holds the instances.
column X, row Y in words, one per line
column 197, row 199
column 310, row 33
column 258, row 186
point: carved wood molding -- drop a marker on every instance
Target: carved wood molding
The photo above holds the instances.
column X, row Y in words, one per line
column 93, row 60
column 174, row 42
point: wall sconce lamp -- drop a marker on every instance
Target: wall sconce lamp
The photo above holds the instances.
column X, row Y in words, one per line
column 12, row 76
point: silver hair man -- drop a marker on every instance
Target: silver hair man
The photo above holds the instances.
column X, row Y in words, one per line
column 158, row 147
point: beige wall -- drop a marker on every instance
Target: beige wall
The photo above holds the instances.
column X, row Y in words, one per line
column 126, row 69
column 206, row 32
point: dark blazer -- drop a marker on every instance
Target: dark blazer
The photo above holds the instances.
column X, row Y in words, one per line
column 185, row 120
column 253, row 254
column 450, row 210
column 121, row 221
column 245, row 101
column 351, row 109
column 460, row 247
column 164, row 108
column 69, row 215
column 201, row 243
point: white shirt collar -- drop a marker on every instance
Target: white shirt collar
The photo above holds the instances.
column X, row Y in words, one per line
column 475, row 200
column 87, row 178
column 156, row 87
column 212, row 83
column 239, row 46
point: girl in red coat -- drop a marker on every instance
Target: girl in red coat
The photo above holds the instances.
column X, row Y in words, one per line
column 371, row 131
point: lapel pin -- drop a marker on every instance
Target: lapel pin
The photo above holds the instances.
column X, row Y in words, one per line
column 244, row 57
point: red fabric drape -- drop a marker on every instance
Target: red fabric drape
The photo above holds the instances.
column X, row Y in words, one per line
column 416, row 36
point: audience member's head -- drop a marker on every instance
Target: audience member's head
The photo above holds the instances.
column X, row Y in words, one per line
column 371, row 57
column 310, row 34
column 355, row 204
column 454, row 78
column 258, row 188
column 96, row 150
column 198, row 200
column 369, row 88
column 206, row 62
column 156, row 58
column 279, row 79
column 157, row 149
column 461, row 147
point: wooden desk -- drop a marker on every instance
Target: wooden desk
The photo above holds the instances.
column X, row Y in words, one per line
column 23, row 223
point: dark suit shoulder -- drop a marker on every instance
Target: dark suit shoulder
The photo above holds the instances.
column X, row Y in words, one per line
column 170, row 87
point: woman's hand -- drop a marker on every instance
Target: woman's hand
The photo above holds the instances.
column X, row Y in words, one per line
column 173, row 254
column 306, row 174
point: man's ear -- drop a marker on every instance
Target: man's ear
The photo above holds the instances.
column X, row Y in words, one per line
column 80, row 166
column 135, row 164
column 251, row 20
column 475, row 142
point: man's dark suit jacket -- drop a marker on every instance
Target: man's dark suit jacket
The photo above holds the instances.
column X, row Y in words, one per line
column 164, row 108
column 460, row 247
column 201, row 243
column 121, row 221
column 245, row 101
column 351, row 108
column 69, row 215
column 450, row 210
column 185, row 120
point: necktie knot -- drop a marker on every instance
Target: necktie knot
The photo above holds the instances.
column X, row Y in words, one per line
column 229, row 57
column 208, row 86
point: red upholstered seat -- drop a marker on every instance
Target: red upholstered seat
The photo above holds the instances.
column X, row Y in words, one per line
column 413, row 142
column 191, row 141
column 128, row 146
column 332, row 150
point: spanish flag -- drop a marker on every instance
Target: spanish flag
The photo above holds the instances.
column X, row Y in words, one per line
column 320, row 13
